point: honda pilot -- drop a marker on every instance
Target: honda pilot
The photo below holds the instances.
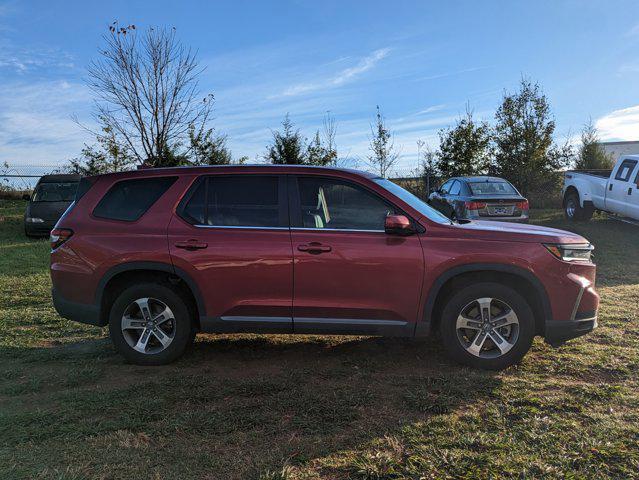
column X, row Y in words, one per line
column 158, row 255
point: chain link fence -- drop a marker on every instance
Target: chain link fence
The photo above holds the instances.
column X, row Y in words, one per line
column 16, row 181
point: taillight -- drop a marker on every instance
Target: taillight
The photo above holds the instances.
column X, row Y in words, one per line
column 475, row 205
column 58, row 236
column 522, row 205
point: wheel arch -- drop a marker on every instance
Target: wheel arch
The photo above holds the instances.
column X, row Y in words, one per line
column 524, row 281
column 124, row 274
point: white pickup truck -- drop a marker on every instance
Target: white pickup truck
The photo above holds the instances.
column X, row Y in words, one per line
column 613, row 191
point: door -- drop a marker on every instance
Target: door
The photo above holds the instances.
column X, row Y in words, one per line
column 349, row 275
column 231, row 235
column 620, row 187
column 452, row 198
column 633, row 198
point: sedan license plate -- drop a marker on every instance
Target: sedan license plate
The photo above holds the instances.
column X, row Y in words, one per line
column 501, row 210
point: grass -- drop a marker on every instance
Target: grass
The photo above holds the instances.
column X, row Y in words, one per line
column 308, row 407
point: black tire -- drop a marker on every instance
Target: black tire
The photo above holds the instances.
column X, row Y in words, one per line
column 574, row 211
column 501, row 293
column 183, row 333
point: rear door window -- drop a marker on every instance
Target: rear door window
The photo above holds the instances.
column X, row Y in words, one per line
column 128, row 200
column 454, row 190
column 237, row 201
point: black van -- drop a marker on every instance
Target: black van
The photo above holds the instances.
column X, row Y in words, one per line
column 51, row 197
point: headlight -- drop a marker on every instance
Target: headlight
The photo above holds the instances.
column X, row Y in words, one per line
column 571, row 252
column 34, row 220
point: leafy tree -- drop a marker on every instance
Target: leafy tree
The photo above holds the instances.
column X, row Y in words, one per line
column 106, row 156
column 289, row 146
column 465, row 149
column 147, row 93
column 525, row 153
column 382, row 146
column 317, row 153
column 592, row 155
column 209, row 148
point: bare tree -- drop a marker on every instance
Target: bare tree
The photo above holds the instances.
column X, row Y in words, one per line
column 383, row 153
column 329, row 131
column 148, row 94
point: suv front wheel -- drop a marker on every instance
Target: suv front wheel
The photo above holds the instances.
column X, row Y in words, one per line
column 487, row 325
column 150, row 324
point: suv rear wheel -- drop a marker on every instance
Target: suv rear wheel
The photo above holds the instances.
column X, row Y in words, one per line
column 150, row 324
column 487, row 325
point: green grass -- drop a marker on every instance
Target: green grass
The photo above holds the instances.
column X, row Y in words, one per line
column 307, row 407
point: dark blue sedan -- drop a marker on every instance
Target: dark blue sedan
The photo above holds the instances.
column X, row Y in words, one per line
column 480, row 198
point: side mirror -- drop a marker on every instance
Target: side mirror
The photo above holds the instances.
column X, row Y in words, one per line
column 398, row 225
column 26, row 197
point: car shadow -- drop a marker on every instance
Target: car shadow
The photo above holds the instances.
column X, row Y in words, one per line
column 307, row 397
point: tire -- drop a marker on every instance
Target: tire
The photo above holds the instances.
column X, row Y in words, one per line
column 167, row 325
column 574, row 211
column 460, row 342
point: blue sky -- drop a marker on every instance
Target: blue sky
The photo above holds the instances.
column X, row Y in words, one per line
column 421, row 61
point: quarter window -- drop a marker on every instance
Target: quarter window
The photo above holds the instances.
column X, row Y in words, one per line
column 128, row 200
column 625, row 170
column 333, row 204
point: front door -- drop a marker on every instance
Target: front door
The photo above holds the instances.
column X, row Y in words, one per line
column 231, row 236
column 620, row 187
column 349, row 275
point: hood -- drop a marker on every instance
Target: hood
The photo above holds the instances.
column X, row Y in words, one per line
column 518, row 232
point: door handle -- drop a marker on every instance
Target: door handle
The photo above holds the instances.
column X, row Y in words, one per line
column 629, row 190
column 314, row 248
column 191, row 245
column 610, row 187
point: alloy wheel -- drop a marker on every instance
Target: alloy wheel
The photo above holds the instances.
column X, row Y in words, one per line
column 148, row 325
column 570, row 207
column 487, row 328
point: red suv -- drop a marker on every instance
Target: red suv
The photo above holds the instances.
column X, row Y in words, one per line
column 162, row 254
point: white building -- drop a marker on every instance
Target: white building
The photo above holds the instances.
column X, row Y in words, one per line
column 616, row 149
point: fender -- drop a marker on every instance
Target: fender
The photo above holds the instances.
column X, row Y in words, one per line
column 424, row 327
column 153, row 266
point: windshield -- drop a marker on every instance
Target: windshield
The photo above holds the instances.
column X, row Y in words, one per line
column 55, row 192
column 419, row 205
column 492, row 188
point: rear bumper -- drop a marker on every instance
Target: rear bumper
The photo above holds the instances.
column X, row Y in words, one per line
column 78, row 312
column 559, row 332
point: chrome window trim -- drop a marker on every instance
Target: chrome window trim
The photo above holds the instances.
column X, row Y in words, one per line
column 241, row 227
column 308, row 229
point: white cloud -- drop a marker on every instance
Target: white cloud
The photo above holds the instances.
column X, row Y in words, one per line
column 620, row 124
column 341, row 77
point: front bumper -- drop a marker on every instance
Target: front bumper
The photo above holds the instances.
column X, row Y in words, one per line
column 78, row 312
column 559, row 332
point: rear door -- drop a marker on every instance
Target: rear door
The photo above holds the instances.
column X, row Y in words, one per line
column 620, row 187
column 231, row 236
column 350, row 276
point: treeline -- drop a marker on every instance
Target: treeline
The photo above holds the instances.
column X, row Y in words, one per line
column 150, row 111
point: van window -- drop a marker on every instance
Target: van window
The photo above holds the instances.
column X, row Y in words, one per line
column 128, row 200
column 55, row 192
